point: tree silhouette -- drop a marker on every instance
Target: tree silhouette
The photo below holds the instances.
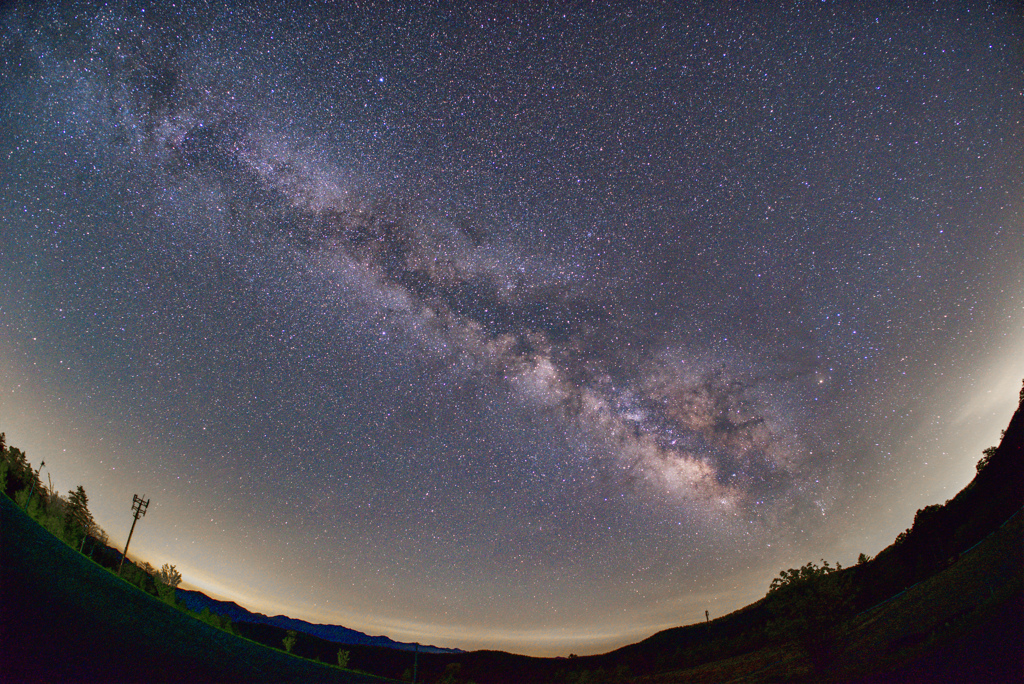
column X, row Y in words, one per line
column 167, row 579
column 291, row 637
column 18, row 471
column 986, row 456
column 77, row 518
column 798, row 577
column 169, row 576
column 809, row 604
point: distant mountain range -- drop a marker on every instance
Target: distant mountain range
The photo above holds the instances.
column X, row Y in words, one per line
column 197, row 601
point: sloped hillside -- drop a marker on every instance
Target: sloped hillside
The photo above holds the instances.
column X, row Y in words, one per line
column 66, row 619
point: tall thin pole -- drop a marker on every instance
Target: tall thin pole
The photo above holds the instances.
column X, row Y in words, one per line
column 139, row 506
column 42, row 464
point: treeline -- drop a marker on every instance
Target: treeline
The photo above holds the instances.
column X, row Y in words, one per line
column 68, row 519
column 941, row 533
column 808, row 606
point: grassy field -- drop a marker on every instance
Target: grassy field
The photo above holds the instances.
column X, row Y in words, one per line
column 66, row 619
column 965, row 624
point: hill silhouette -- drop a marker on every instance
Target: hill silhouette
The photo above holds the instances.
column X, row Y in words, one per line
column 64, row 618
column 942, row 603
column 198, row 601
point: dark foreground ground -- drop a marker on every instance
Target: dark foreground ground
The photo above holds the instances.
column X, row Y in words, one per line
column 991, row 653
column 962, row 625
column 65, row 619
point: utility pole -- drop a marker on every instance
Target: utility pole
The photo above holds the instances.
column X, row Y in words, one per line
column 139, row 506
column 416, row 661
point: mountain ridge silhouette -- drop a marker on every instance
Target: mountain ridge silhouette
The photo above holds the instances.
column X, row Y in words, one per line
column 197, row 601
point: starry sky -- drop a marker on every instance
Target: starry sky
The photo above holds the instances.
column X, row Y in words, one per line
column 539, row 327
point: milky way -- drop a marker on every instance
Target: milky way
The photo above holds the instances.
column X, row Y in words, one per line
column 509, row 327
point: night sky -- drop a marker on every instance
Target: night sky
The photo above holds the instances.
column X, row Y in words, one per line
column 539, row 328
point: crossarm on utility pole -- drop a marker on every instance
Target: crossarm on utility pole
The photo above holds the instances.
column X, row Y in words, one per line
column 139, row 506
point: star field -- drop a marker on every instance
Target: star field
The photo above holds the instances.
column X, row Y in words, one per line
column 533, row 328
